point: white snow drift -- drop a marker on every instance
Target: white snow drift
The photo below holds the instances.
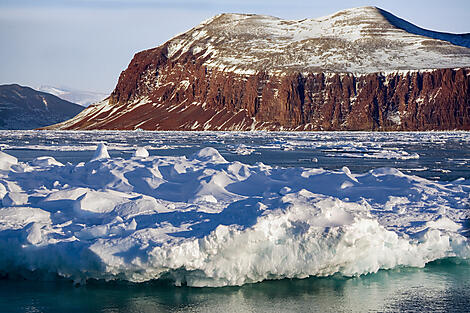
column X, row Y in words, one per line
column 204, row 221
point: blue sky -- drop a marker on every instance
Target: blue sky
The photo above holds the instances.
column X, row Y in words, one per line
column 85, row 44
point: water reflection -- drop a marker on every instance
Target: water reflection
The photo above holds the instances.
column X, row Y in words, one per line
column 440, row 287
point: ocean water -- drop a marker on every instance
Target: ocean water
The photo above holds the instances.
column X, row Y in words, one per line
column 434, row 155
column 437, row 172
column 442, row 286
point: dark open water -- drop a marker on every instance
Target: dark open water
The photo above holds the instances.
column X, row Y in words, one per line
column 439, row 287
column 433, row 155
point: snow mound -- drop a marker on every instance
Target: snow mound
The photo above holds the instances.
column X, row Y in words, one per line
column 204, row 221
column 210, row 154
column 45, row 161
column 6, row 161
column 101, row 153
column 141, row 152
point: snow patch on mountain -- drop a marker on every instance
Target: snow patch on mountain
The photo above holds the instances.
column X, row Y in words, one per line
column 360, row 40
column 84, row 98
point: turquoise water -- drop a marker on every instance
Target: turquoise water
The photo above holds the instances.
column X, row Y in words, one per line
column 442, row 286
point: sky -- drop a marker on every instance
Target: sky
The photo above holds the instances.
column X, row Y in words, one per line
column 85, row 44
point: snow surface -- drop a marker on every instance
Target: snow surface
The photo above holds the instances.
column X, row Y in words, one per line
column 204, row 221
column 81, row 97
column 359, row 40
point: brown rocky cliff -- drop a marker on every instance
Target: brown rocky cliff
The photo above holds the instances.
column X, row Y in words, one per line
column 357, row 69
column 184, row 94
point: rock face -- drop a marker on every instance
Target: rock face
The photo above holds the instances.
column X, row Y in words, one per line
column 359, row 69
column 25, row 108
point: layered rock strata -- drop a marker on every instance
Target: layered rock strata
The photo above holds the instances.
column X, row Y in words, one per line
column 293, row 76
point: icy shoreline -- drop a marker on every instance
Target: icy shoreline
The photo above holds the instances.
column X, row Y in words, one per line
column 204, row 221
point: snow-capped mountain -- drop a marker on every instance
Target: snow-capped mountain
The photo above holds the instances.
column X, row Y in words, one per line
column 359, row 69
column 84, row 98
column 361, row 40
column 25, row 108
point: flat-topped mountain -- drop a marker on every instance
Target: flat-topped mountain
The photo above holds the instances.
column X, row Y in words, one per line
column 362, row 40
column 358, row 69
column 25, row 108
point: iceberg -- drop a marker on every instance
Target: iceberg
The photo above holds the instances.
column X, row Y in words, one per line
column 205, row 221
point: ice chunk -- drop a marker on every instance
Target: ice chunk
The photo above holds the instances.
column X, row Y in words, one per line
column 14, row 199
column 206, row 198
column 101, row 153
column 444, row 223
column 3, row 191
column 348, row 173
column 243, row 150
column 141, row 152
column 140, row 206
column 34, row 234
column 285, row 190
column 6, row 161
column 13, row 218
column 209, row 154
column 132, row 225
column 45, row 161
column 97, row 202
column 346, row 184
column 67, row 194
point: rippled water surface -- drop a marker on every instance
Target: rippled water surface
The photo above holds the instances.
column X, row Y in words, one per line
column 439, row 287
column 433, row 155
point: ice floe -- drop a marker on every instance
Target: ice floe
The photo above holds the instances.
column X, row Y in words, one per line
column 204, row 221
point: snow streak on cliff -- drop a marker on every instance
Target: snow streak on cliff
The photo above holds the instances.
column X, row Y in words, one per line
column 361, row 69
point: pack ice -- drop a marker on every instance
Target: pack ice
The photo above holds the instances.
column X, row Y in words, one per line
column 203, row 221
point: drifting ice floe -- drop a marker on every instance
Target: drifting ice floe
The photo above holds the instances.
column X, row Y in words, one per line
column 204, row 221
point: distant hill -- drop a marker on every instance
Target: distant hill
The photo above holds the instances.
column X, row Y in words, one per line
column 25, row 108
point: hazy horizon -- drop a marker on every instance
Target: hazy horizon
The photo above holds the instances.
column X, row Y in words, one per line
column 84, row 45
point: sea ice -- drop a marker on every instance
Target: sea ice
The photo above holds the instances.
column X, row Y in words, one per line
column 6, row 161
column 101, row 153
column 141, row 152
column 204, row 221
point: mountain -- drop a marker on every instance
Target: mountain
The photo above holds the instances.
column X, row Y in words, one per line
column 358, row 69
column 84, row 98
column 25, row 108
